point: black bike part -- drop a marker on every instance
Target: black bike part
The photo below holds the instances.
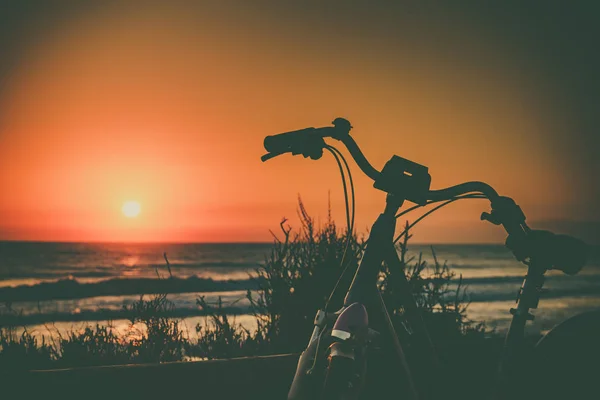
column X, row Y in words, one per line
column 528, row 298
column 284, row 142
column 565, row 362
column 405, row 179
column 341, row 377
column 561, row 252
column 360, row 158
column 308, row 142
column 364, row 283
column 507, row 213
column 405, row 379
column 463, row 188
column 364, row 290
column 425, row 215
column 350, row 220
column 297, row 142
column 569, row 254
column 345, row 376
column 540, row 251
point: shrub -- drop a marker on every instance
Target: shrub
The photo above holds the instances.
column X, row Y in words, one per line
column 297, row 279
column 161, row 338
column 303, row 267
column 443, row 308
column 23, row 352
column 93, row 346
column 219, row 337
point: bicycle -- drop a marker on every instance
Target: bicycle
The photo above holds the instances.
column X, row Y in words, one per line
column 334, row 363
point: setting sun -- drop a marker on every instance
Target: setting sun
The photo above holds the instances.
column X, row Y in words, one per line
column 131, row 209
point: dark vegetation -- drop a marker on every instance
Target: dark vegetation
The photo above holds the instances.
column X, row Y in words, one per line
column 294, row 282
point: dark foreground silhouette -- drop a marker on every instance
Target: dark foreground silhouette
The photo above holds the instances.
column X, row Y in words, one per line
column 335, row 363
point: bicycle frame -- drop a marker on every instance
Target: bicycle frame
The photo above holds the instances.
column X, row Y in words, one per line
column 363, row 290
column 363, row 305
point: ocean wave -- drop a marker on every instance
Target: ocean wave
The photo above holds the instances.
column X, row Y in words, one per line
column 491, row 280
column 61, row 270
column 72, row 289
column 214, row 264
column 54, row 275
column 558, row 293
column 182, row 310
column 106, row 315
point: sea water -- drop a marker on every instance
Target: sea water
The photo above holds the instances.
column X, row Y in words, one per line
column 49, row 287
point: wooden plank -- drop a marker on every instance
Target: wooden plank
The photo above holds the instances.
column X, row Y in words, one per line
column 266, row 377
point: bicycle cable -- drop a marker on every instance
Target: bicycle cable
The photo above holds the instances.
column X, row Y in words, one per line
column 350, row 228
column 452, row 200
column 337, row 157
column 352, row 195
column 350, row 221
column 408, row 210
column 468, row 195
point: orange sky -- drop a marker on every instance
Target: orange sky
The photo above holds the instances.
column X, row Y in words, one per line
column 169, row 106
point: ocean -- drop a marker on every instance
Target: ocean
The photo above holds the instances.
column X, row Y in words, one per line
column 49, row 288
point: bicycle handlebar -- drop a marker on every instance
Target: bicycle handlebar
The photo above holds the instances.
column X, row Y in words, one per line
column 401, row 177
column 463, row 188
column 360, row 158
column 309, row 142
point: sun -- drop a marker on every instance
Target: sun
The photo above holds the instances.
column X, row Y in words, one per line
column 131, row 209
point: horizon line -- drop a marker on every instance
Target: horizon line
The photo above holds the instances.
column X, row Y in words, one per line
column 499, row 243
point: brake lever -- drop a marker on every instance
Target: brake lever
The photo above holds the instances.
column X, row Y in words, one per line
column 268, row 156
column 491, row 217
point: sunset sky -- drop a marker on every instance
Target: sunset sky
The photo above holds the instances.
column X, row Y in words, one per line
column 167, row 105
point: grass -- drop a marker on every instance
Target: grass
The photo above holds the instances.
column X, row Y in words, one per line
column 294, row 282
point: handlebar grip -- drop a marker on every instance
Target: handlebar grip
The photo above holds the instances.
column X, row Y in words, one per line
column 283, row 142
column 293, row 140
